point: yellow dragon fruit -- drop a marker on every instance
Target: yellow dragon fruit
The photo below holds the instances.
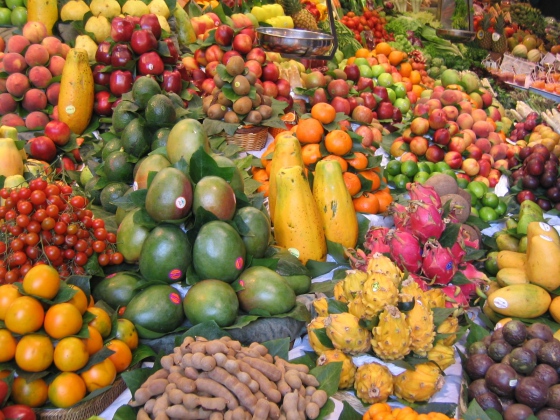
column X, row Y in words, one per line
column 419, row 384
column 436, row 298
column 449, row 326
column 377, row 291
column 410, row 287
column 348, row 367
column 391, row 338
column 420, row 319
column 379, row 263
column 346, row 290
column 347, row 334
column 314, row 342
column 321, row 307
column 443, row 355
column 374, row 383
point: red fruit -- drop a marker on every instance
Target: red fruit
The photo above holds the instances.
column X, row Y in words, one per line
column 102, row 104
column 405, row 250
column 223, row 35
column 151, row 22
column 121, row 29
column 121, row 82
column 120, row 56
column 376, row 240
column 172, row 81
column 58, row 132
column 173, row 53
column 43, row 148
column 100, row 77
column 242, row 43
column 437, row 262
column 142, row 41
column 424, row 193
column 401, row 217
column 150, row 63
column 425, row 221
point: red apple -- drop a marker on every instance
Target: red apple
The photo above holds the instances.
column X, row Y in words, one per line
column 223, row 35
column 364, row 83
column 142, row 41
column 342, row 105
column 42, row 148
column 284, row 87
column 121, row 29
column 151, row 22
column 352, row 72
column 121, row 82
column 100, row 77
column 442, row 136
column 382, row 93
column 257, row 54
column 172, row 81
column 214, row 53
column 289, row 100
column 242, row 43
column 397, row 114
column 58, row 132
column 120, row 56
column 385, row 111
column 103, row 53
column 270, row 72
column 208, row 86
column 150, row 63
column 173, row 56
column 102, row 105
column 369, row 100
column 200, row 57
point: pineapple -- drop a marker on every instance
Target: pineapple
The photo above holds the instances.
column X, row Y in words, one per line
column 303, row 19
column 484, row 37
column 499, row 42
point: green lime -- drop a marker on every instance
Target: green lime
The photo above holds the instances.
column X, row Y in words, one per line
column 442, row 166
column 434, row 172
column 391, row 177
column 431, row 167
column 462, row 182
column 118, row 168
column 474, row 198
column 5, row 16
column 450, row 172
column 409, row 168
column 12, row 4
column 488, row 214
column 491, row 263
column 421, row 177
column 393, row 167
column 143, row 89
column 19, row 16
column 501, row 208
column 392, row 95
column 424, row 167
column 160, row 111
column 477, row 188
column 474, row 212
column 112, row 145
column 400, row 181
column 490, row 199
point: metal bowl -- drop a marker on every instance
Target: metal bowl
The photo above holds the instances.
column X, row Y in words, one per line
column 456, row 35
column 294, row 41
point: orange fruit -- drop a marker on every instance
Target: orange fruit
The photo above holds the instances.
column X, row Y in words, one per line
column 34, row 352
column 373, row 177
column 384, row 198
column 415, row 77
column 122, row 355
column 126, row 332
column 62, row 320
column 362, row 53
column 25, row 315
column 405, row 69
column 366, row 203
column 91, row 302
column 7, row 346
column 100, row 375
column 79, row 300
column 260, row 175
column 32, row 394
column 101, row 322
column 264, row 188
column 343, row 164
column 43, row 281
column 383, row 48
column 94, row 342
column 311, row 153
column 353, row 183
column 309, row 130
column 338, row 142
column 66, row 390
column 323, row 112
column 8, row 293
column 5, row 373
column 358, row 162
column 70, row 354
column 396, row 57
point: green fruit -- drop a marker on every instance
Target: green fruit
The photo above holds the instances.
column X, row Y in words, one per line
column 160, row 111
column 121, row 116
column 264, row 290
column 111, row 192
column 215, row 195
column 393, row 167
column 169, row 196
column 136, row 138
column 254, row 228
column 160, row 138
column 166, row 254
column 5, row 16
column 143, row 89
column 400, row 181
column 237, row 180
column 117, row 290
column 130, row 238
column 111, row 146
column 93, row 194
column 156, row 308
column 151, row 163
column 19, row 16
column 85, row 175
column 491, row 263
column 185, row 138
column 118, row 168
column 12, row 4
column 300, row 284
column 218, row 252
column 211, row 300
column 121, row 212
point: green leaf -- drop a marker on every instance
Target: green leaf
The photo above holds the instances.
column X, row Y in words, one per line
column 349, row 413
column 336, row 307
column 288, row 264
column 140, row 353
column 146, row 333
column 477, row 222
column 125, row 412
column 212, row 127
column 309, row 359
column 209, row 330
column 142, row 218
column 318, row 268
column 224, row 75
column 64, row 294
column 321, row 334
column 328, row 376
column 228, row 92
column 477, row 333
column 242, row 321
column 299, row 313
column 325, row 287
column 92, row 266
column 135, row 378
column 279, row 347
column 449, row 235
column 336, row 250
column 96, row 358
column 194, row 10
column 441, row 314
column 327, row 409
column 475, row 412
column 202, row 164
column 9, row 380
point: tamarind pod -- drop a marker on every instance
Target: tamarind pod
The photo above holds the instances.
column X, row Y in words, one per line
column 191, row 373
column 291, row 366
column 216, row 415
column 216, row 346
column 149, row 406
column 192, row 401
column 176, row 368
column 320, row 397
column 267, row 387
column 259, row 347
column 140, row 397
column 261, row 410
column 308, row 380
column 310, row 390
column 216, row 389
column 157, row 386
column 274, row 412
column 239, row 414
column 142, row 415
column 159, row 374
column 220, row 358
column 283, row 387
column 166, row 362
column 170, row 387
column 185, row 346
column 244, row 395
column 268, row 369
column 290, row 406
column 234, row 345
column 198, row 347
column 161, row 404
column 179, row 411
column 176, row 396
column 161, row 416
column 293, row 379
column 312, row 410
column 301, row 403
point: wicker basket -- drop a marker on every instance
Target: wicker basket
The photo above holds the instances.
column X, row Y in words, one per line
column 249, row 137
column 92, row 407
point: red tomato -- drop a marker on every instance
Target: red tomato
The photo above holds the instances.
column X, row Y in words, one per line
column 19, row 412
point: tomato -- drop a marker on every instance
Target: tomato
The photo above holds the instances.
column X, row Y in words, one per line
column 3, row 391
column 19, row 412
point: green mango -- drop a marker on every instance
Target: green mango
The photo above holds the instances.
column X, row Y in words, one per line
column 506, row 242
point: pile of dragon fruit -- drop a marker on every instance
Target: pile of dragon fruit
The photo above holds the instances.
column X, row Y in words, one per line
column 414, row 245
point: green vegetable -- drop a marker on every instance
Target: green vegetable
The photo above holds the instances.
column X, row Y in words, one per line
column 459, row 19
column 402, row 24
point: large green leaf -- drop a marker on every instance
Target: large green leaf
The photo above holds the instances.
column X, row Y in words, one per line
column 328, row 376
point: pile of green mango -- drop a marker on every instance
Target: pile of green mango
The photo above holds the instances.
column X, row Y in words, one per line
column 514, row 237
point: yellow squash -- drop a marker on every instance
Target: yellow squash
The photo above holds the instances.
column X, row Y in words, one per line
column 335, row 204
column 297, row 224
column 287, row 152
column 75, row 101
column 543, row 262
column 45, row 11
column 520, row 301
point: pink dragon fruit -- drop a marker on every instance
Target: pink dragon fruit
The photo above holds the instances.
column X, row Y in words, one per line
column 458, row 250
column 437, row 263
column 424, row 193
column 405, row 250
column 425, row 221
column 477, row 280
column 376, row 240
column 472, row 242
column 401, row 218
column 455, row 297
column 357, row 258
column 424, row 286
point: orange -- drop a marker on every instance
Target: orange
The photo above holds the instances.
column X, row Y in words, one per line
column 264, row 188
column 100, row 375
column 396, row 57
column 323, row 112
column 62, row 320
column 358, row 162
column 309, row 130
column 91, row 302
column 310, row 153
column 260, row 175
column 405, row 69
column 126, row 332
column 122, row 355
column 5, row 373
column 66, row 390
column 362, row 53
column 343, row 164
column 8, row 293
column 25, row 315
column 94, row 342
column 384, row 198
column 70, row 354
column 101, row 322
column 79, row 300
column 383, row 48
column 373, row 177
column 415, row 77
column 353, row 183
column 338, row 142
column 32, row 394
column 34, row 352
column 366, row 203
column 7, row 346
column 376, row 409
column 43, row 281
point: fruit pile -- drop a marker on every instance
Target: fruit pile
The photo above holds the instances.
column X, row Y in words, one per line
column 48, row 223
column 13, row 12
column 383, row 411
column 517, row 364
column 29, row 95
column 70, row 346
column 371, row 21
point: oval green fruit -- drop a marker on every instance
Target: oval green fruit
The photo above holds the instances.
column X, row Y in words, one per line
column 169, row 196
column 185, row 138
column 254, row 228
column 130, row 238
column 215, row 195
column 117, row 290
column 211, row 300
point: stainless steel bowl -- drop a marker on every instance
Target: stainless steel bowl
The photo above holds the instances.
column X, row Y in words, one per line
column 456, row 35
column 294, row 41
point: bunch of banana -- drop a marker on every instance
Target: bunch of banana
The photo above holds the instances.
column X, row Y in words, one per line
column 273, row 14
column 529, row 17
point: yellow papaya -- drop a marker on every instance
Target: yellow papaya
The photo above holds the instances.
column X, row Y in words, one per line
column 554, row 309
column 511, row 259
column 520, row 301
column 511, row 275
column 543, row 262
column 12, row 133
column 45, row 11
column 76, row 97
column 297, row 223
column 541, row 228
column 11, row 162
column 335, row 204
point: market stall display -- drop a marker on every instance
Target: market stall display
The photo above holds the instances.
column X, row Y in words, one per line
column 361, row 225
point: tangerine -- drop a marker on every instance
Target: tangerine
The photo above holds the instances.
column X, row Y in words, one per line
column 366, row 203
column 310, row 153
column 101, row 322
column 79, row 300
column 358, row 162
column 70, row 354
column 323, row 112
column 100, row 375
column 383, row 48
column 362, row 53
column 122, row 355
column 43, row 281
column 32, row 393
column 343, row 163
column 7, row 346
column 309, row 130
column 126, row 332
column 338, row 142
column 384, row 198
column 62, row 320
column 94, row 342
column 25, row 315
column 66, row 390
column 34, row 352
column 373, row 177
column 353, row 183
column 396, row 57
column 8, row 293
column 405, row 69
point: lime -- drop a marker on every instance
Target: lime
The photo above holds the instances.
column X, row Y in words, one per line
column 501, row 208
column 377, row 69
column 365, row 71
column 400, row 181
column 490, row 199
column 400, row 89
column 462, row 182
column 488, row 214
column 403, row 104
column 361, row 62
column 409, row 168
column 391, row 94
column 19, row 16
column 434, row 172
column 421, row 177
column 477, row 188
column 425, row 167
column 160, row 111
column 474, row 198
column 390, row 177
column 393, row 167
column 12, row 4
column 450, row 172
column 143, row 89
column 385, row 79
column 442, row 166
column 474, row 212
column 110, row 147
column 491, row 263
column 5, row 16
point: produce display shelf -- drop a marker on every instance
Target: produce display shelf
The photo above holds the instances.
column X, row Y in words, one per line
column 548, row 95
